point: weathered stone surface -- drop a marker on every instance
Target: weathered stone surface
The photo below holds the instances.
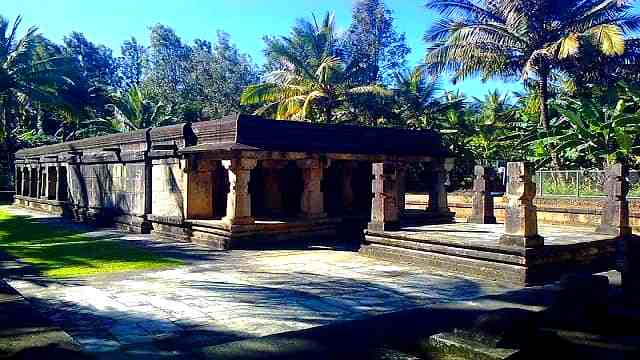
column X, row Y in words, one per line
column 385, row 207
column 312, row 200
column 238, row 199
column 438, row 211
column 615, row 211
column 521, row 223
column 482, row 198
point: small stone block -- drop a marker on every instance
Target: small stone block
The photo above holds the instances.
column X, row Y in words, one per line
column 521, row 241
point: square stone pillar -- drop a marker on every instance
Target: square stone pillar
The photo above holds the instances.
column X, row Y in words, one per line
column 239, row 199
column 312, row 200
column 272, row 193
column 44, row 182
column 482, row 199
column 521, row 223
column 26, row 176
column 385, row 207
column 438, row 206
column 615, row 210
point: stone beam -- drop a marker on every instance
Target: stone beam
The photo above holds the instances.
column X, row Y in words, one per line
column 521, row 223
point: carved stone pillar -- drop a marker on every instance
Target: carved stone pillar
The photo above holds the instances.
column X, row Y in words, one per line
column 521, row 223
column 385, row 209
column 312, row 200
column 438, row 206
column 44, row 182
column 239, row 199
column 482, row 199
column 347, row 188
column 272, row 195
column 615, row 211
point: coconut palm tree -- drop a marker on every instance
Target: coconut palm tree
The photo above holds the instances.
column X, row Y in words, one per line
column 28, row 74
column 312, row 81
column 520, row 38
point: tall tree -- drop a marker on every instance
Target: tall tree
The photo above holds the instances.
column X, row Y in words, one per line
column 221, row 72
column 167, row 78
column 374, row 50
column 96, row 62
column 519, row 38
column 131, row 64
column 29, row 74
column 312, row 83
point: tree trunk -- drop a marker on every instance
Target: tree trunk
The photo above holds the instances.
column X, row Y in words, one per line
column 543, row 91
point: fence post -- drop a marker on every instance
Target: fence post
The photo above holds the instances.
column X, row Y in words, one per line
column 540, row 182
column 577, row 183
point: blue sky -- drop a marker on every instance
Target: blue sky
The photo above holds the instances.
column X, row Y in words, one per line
column 110, row 22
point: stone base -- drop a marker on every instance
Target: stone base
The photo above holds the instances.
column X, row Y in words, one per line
column 522, row 241
column 222, row 236
column 607, row 229
column 490, row 260
column 169, row 228
column 388, row 226
column 54, row 207
column 482, row 220
column 446, row 346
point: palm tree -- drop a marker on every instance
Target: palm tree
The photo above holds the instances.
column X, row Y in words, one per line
column 28, row 74
column 519, row 38
column 312, row 80
column 130, row 111
column 416, row 97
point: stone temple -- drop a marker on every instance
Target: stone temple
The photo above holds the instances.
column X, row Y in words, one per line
column 236, row 182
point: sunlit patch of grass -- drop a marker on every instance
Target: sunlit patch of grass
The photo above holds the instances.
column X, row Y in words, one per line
column 64, row 253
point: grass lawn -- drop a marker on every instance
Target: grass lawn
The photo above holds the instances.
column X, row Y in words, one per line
column 64, row 253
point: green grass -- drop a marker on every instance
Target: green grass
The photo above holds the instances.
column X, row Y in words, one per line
column 65, row 253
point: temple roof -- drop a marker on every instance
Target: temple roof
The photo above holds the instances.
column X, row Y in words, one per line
column 254, row 133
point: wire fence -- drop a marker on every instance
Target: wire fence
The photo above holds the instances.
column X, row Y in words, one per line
column 579, row 183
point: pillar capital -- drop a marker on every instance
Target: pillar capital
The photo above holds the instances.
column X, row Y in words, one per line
column 240, row 164
column 273, row 164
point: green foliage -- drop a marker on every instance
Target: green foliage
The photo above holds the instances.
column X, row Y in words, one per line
column 64, row 253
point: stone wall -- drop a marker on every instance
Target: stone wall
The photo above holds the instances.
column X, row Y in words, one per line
column 551, row 210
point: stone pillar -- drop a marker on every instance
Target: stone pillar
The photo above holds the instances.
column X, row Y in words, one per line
column 347, row 188
column 521, row 223
column 385, row 209
column 58, row 180
column 401, row 179
column 26, row 176
column 438, row 206
column 44, row 182
column 18, row 184
column 312, row 200
column 272, row 194
column 239, row 199
column 482, row 199
column 615, row 210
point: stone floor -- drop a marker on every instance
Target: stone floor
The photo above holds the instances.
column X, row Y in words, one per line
column 225, row 296
column 486, row 235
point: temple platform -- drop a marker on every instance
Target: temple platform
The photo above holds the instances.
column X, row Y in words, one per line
column 474, row 250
